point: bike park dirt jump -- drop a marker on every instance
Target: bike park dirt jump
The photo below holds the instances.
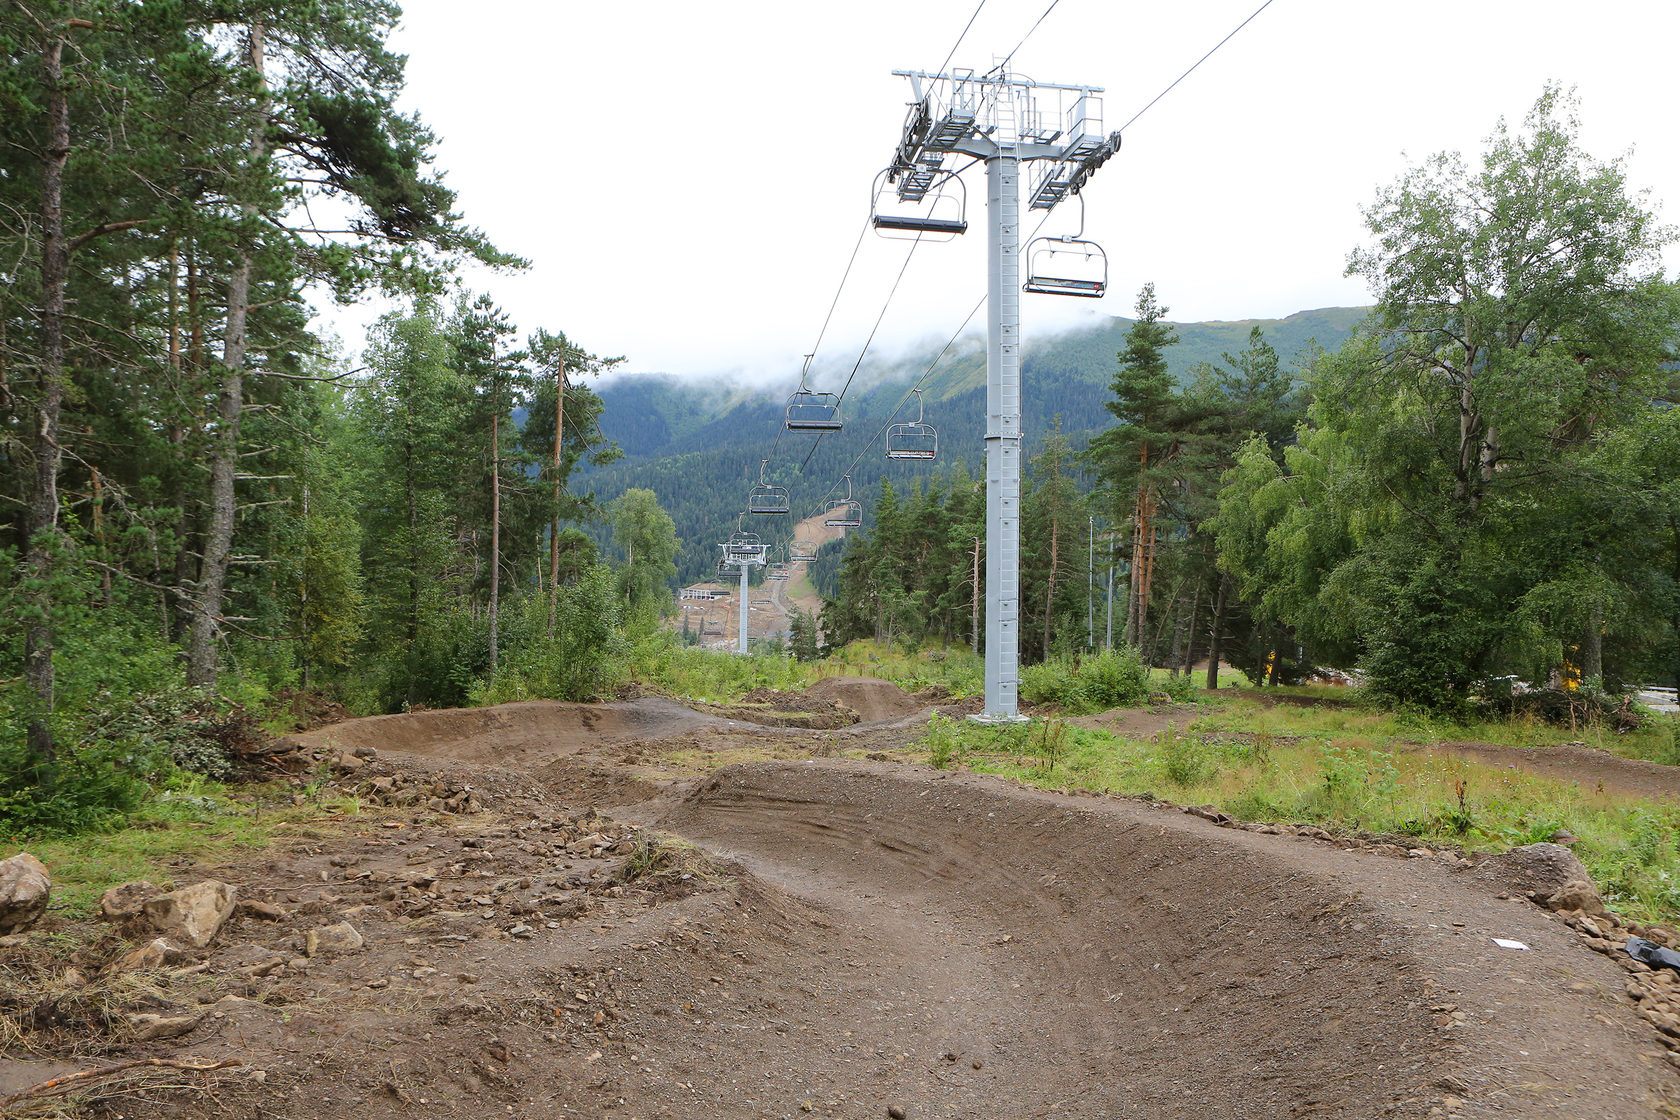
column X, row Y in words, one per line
column 596, row 911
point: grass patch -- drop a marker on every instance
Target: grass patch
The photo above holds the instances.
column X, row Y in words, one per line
column 1349, row 783
column 201, row 826
column 957, row 669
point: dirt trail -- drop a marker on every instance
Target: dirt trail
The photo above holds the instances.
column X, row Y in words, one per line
column 1121, row 960
column 866, row 937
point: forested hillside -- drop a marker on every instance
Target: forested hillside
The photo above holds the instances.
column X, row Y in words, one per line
column 697, row 445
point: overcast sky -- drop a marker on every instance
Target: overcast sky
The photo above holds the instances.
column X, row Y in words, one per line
column 689, row 179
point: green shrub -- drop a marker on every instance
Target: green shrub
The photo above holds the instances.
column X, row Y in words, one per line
column 583, row 658
column 1110, row 679
column 81, row 790
column 943, row 743
column 1181, row 687
column 1184, row 756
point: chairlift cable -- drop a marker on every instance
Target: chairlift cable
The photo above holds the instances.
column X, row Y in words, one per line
column 1002, row 66
column 1192, row 69
column 920, row 381
column 964, row 35
column 844, row 389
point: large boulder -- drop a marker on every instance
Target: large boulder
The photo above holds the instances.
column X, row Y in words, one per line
column 1549, row 874
column 191, row 915
column 24, row 887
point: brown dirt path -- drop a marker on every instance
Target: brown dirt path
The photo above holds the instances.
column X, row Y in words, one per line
column 869, row 937
column 1106, row 959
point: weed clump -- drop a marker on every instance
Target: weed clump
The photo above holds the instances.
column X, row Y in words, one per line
column 662, row 858
column 943, row 743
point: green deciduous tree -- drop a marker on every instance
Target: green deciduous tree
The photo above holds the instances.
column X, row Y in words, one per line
column 649, row 540
column 1438, row 517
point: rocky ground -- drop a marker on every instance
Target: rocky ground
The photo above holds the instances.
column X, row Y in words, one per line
column 552, row 910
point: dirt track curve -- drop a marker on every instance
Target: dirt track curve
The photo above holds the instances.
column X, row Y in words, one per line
column 884, row 939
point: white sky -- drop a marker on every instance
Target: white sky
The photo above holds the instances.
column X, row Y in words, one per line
column 690, row 178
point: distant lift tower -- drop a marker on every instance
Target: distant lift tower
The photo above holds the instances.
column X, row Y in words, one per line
column 745, row 552
column 1006, row 121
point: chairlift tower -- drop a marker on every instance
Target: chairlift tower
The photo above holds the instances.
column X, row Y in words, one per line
column 744, row 556
column 1007, row 121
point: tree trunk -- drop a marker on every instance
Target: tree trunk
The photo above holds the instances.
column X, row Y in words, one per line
column 1190, row 629
column 1160, row 632
column 1592, row 642
column 181, row 620
column 495, row 525
column 554, row 531
column 224, row 463
column 1216, row 636
column 1050, row 584
column 43, row 503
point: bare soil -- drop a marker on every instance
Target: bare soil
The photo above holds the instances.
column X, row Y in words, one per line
column 852, row 938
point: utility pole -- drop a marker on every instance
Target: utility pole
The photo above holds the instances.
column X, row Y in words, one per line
column 997, row 118
column 1108, row 637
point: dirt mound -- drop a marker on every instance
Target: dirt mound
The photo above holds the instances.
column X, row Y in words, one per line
column 872, row 699
column 769, row 707
column 510, row 731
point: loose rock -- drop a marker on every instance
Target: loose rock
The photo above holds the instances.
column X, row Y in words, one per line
column 24, row 888
column 339, row 938
column 192, row 914
column 150, row 1028
column 153, row 954
column 1577, row 894
column 123, row 902
column 263, row 911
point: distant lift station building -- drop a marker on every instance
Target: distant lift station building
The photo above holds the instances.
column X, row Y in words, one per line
column 1005, row 121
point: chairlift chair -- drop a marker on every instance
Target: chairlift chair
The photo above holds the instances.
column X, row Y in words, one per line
column 844, row 513
column 938, row 213
column 802, row 551
column 913, row 439
column 1066, row 266
column 809, row 411
column 767, row 497
column 1069, row 265
column 777, row 571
